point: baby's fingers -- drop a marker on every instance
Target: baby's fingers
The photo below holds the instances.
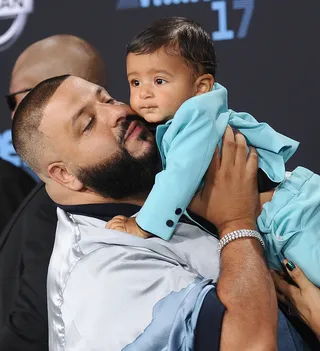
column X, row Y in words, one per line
column 117, row 221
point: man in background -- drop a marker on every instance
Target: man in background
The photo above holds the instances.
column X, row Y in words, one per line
column 15, row 185
column 27, row 241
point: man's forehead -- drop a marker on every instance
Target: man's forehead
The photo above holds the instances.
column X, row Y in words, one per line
column 75, row 87
column 71, row 96
column 65, row 101
column 70, row 93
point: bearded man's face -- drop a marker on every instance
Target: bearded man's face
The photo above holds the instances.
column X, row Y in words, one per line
column 123, row 176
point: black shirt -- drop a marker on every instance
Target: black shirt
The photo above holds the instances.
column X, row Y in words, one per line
column 25, row 249
column 15, row 185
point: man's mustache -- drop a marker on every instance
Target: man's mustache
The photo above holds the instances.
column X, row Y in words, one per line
column 126, row 124
column 150, row 126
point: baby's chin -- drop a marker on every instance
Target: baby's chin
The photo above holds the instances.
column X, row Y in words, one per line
column 154, row 116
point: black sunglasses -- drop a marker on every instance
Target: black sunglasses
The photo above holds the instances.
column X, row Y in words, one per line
column 11, row 98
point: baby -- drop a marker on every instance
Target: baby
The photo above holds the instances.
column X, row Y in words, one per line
column 171, row 72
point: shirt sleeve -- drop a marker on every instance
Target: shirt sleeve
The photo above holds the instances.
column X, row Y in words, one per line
column 209, row 324
column 189, row 144
column 274, row 149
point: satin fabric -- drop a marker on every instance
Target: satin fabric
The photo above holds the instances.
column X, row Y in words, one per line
column 106, row 288
column 110, row 291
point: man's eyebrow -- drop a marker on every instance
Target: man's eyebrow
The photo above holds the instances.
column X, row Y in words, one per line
column 98, row 91
column 74, row 118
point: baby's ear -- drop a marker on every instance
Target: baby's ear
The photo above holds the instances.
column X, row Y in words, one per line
column 204, row 84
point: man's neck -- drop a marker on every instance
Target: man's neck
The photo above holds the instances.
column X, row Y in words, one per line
column 66, row 197
column 82, row 198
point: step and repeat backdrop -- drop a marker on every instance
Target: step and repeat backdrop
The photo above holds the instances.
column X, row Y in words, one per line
column 268, row 53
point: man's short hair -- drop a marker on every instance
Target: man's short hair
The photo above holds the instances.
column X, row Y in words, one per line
column 179, row 36
column 27, row 140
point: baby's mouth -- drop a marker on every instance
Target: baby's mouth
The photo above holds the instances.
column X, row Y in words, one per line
column 149, row 108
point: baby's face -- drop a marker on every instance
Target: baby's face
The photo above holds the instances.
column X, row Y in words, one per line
column 159, row 84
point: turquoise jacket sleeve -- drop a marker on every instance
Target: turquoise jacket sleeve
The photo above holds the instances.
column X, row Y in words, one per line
column 274, row 149
column 187, row 148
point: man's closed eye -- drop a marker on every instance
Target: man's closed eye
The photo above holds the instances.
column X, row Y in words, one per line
column 110, row 101
column 89, row 125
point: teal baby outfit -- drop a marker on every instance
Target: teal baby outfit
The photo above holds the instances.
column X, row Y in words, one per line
column 290, row 223
column 187, row 143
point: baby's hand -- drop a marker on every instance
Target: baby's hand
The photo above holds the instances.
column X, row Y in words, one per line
column 127, row 225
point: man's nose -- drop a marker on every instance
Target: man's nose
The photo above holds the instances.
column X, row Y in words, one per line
column 145, row 91
column 116, row 113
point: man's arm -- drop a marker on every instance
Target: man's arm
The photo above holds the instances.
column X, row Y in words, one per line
column 230, row 201
column 246, row 290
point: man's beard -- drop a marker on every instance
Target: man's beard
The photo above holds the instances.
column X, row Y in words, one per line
column 123, row 176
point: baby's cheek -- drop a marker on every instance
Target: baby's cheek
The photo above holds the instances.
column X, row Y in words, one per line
column 134, row 103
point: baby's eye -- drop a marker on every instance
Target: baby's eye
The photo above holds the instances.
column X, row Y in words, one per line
column 135, row 83
column 160, row 81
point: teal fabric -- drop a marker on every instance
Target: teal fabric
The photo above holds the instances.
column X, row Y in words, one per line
column 187, row 143
column 291, row 223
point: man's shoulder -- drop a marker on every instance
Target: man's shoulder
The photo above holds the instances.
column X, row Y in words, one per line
column 190, row 247
column 87, row 248
column 122, row 281
column 120, row 286
column 78, row 242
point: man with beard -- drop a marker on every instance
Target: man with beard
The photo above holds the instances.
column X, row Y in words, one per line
column 27, row 241
column 111, row 291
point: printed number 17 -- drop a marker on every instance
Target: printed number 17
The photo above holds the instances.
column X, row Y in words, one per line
column 227, row 34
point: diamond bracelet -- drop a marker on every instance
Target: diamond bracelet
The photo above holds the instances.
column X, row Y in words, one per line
column 238, row 234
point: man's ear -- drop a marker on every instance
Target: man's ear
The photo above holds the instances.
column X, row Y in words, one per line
column 60, row 173
column 204, row 84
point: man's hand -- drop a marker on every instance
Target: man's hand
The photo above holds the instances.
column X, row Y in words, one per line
column 229, row 198
column 303, row 298
column 127, row 225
